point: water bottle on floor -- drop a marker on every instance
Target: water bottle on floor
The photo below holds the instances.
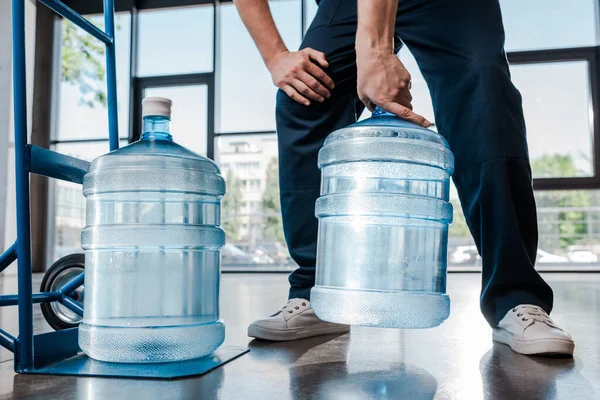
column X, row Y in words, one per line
column 383, row 225
column 152, row 249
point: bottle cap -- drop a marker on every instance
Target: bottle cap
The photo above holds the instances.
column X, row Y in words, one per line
column 156, row 106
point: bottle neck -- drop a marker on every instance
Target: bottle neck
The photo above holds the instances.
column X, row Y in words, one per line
column 157, row 128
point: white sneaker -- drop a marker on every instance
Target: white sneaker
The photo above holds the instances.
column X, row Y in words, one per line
column 294, row 321
column 527, row 329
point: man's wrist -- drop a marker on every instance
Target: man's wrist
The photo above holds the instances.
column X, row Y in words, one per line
column 377, row 44
column 273, row 55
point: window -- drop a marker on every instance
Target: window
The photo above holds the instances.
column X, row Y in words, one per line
column 568, row 224
column 175, row 46
column 569, row 228
column 248, row 104
column 251, row 185
column 310, row 10
column 420, row 92
column 189, row 116
column 533, row 24
column 247, row 166
column 69, row 214
column 558, row 117
column 82, row 115
column 175, row 41
column 82, row 112
column 461, row 247
column 251, row 214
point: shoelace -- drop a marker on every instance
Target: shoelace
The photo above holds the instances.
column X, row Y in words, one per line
column 534, row 313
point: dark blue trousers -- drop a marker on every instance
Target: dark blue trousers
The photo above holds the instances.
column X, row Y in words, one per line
column 459, row 47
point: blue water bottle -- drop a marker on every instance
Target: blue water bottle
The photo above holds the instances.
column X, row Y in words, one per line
column 152, row 249
column 383, row 225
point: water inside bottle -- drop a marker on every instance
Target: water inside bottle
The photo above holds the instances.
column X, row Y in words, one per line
column 152, row 242
column 383, row 225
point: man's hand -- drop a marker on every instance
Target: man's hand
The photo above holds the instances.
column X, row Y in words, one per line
column 383, row 81
column 299, row 77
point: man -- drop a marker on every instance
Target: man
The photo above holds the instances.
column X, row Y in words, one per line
column 348, row 61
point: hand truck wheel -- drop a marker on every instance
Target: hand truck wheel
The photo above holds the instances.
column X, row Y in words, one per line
column 62, row 271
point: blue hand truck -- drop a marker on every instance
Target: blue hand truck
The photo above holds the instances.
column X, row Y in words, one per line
column 58, row 353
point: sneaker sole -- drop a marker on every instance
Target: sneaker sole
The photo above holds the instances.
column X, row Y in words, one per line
column 534, row 347
column 276, row 335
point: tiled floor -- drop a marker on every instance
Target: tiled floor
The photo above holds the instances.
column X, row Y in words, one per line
column 453, row 361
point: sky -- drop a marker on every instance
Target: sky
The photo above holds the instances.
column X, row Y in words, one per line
column 555, row 96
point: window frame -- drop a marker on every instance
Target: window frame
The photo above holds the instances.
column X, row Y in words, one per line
column 591, row 56
column 205, row 78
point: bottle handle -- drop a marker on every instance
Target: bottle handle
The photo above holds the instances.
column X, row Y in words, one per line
column 380, row 112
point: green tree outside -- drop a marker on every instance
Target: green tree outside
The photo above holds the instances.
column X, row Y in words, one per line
column 83, row 63
column 271, row 204
column 459, row 226
column 232, row 202
column 572, row 225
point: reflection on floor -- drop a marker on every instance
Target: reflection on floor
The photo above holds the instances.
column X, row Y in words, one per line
column 454, row 361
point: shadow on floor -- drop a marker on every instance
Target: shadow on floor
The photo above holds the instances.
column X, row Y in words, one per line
column 208, row 386
column 509, row 375
column 387, row 381
column 289, row 352
column 321, row 367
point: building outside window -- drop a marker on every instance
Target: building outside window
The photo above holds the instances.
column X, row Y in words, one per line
column 251, row 214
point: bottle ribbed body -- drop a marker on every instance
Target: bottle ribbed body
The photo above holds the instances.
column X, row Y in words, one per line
column 152, row 248
column 383, row 213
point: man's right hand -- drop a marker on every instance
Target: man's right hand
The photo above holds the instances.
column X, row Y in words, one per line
column 383, row 81
column 299, row 77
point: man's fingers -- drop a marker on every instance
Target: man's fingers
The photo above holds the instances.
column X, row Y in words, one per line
column 404, row 98
column 314, row 84
column 317, row 56
column 294, row 95
column 305, row 91
column 370, row 106
column 405, row 102
column 406, row 114
column 320, row 75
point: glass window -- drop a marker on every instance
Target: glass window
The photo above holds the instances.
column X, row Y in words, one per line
column 557, row 107
column 251, row 213
column 420, row 92
column 552, row 112
column 310, row 10
column 246, row 91
column 461, row 247
column 569, row 227
column 568, row 224
column 189, row 117
column 175, row 41
column 82, row 112
column 534, row 24
column 69, row 203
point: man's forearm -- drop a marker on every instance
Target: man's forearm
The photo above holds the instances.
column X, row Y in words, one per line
column 257, row 18
column 376, row 21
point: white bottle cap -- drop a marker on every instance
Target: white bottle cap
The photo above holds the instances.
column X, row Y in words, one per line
column 160, row 106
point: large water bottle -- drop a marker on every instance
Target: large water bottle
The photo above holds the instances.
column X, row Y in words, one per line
column 152, row 249
column 383, row 225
